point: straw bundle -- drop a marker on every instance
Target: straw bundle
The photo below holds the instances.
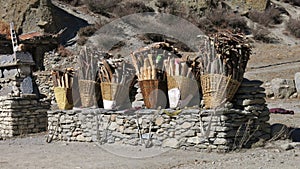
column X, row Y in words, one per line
column 63, row 82
column 148, row 63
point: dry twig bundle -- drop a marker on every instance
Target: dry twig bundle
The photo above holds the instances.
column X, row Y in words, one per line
column 64, row 78
column 115, row 71
column 63, row 83
column 116, row 77
column 221, row 66
column 87, row 65
column 224, row 53
column 148, row 61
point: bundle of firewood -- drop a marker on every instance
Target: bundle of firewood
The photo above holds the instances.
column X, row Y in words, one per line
column 148, row 61
column 87, row 65
column 115, row 71
column 64, row 78
column 223, row 53
column 177, row 67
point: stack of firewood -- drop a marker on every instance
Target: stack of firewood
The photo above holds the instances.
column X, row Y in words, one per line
column 223, row 53
column 64, row 78
column 148, row 61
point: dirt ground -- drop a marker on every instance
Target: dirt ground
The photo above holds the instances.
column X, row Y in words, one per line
column 278, row 61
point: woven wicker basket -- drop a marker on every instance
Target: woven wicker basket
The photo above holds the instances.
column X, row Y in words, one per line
column 89, row 93
column 189, row 90
column 217, row 89
column 154, row 93
column 115, row 95
column 63, row 98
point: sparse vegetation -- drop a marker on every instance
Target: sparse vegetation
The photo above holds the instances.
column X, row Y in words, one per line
column 131, row 8
column 87, row 31
column 267, row 18
column 261, row 33
column 293, row 26
column 103, row 7
column 223, row 19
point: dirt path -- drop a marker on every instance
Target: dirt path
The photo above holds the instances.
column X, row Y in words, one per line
column 34, row 152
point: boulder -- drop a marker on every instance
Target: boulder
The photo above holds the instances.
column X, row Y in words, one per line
column 297, row 82
column 283, row 88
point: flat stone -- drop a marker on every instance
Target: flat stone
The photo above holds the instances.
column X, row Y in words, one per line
column 255, row 107
column 220, row 141
column 189, row 133
column 195, row 140
column 119, row 121
column 26, row 86
column 186, row 125
column 80, row 138
column 247, row 102
column 113, row 126
column 170, row 142
column 159, row 121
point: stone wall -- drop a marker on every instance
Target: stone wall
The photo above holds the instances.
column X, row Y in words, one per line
column 222, row 129
column 22, row 115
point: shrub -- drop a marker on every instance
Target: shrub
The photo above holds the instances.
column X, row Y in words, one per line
column 102, row 6
column 223, row 19
column 293, row 26
column 62, row 51
column 164, row 3
column 87, row 31
column 206, row 26
column 266, row 18
column 131, row 8
column 4, row 29
column 262, row 34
